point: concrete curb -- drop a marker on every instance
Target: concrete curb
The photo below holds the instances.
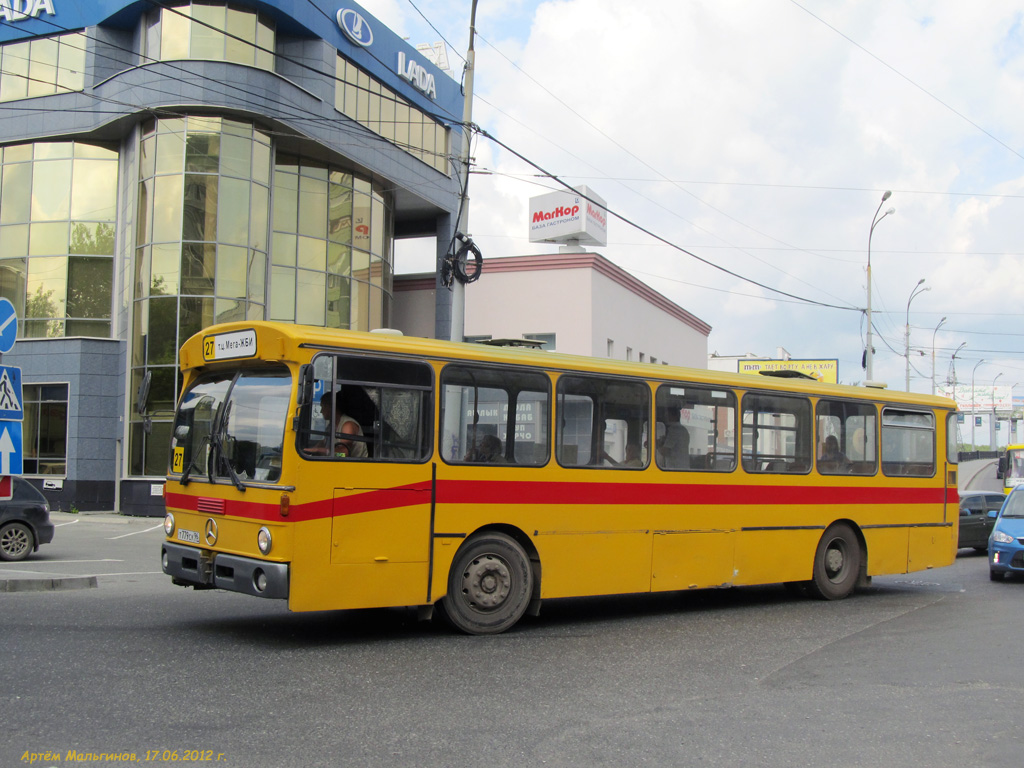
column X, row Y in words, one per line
column 46, row 584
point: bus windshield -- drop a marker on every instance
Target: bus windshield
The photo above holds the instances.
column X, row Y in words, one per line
column 1014, row 467
column 230, row 426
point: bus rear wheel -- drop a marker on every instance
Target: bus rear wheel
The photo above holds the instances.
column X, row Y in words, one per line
column 489, row 585
column 836, row 563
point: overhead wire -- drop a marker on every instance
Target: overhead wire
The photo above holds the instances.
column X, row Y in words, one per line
column 663, row 177
column 624, row 219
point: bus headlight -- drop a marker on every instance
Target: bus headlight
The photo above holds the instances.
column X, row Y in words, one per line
column 264, row 540
column 169, row 524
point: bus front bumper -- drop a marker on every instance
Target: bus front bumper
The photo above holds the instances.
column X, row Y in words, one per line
column 200, row 568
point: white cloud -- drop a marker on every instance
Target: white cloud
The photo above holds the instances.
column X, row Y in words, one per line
column 761, row 139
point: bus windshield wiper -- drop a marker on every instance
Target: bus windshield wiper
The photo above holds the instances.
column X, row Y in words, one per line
column 192, row 460
column 219, row 459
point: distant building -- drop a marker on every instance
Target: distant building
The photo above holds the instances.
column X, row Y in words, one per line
column 579, row 303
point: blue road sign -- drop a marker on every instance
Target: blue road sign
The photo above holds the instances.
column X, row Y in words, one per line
column 10, row 448
column 12, row 406
column 8, row 325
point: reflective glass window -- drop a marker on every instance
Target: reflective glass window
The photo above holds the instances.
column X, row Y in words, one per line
column 197, row 31
column 381, row 110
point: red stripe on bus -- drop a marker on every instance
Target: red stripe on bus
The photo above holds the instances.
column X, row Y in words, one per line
column 483, row 491
column 593, row 494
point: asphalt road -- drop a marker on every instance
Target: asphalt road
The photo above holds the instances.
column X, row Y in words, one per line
column 919, row 670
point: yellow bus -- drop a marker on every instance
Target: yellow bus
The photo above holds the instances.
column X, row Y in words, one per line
column 341, row 470
column 1011, row 467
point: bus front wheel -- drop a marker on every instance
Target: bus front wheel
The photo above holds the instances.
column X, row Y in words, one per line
column 836, row 563
column 489, row 585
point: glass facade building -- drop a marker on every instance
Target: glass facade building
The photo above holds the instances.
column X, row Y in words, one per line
column 163, row 169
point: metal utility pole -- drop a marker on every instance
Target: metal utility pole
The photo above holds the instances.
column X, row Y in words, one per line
column 456, row 329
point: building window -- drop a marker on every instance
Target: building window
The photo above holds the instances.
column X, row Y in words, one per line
column 45, row 429
column 629, row 353
column 42, row 66
column 377, row 107
column 197, row 31
column 58, row 206
column 200, row 257
column 611, row 349
column 332, row 262
column 547, row 340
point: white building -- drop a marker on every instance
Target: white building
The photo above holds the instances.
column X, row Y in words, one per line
column 578, row 303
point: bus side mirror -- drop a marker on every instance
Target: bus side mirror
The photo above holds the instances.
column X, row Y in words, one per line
column 305, row 384
column 1001, row 471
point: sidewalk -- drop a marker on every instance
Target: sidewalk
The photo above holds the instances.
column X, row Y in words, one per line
column 18, row 576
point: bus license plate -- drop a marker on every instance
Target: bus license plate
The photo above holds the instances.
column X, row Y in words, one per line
column 192, row 537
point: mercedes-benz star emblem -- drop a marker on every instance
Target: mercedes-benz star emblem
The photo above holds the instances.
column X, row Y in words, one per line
column 211, row 531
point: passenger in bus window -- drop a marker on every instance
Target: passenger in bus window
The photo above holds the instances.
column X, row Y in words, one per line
column 491, row 449
column 832, row 459
column 674, row 448
column 343, row 425
column 488, row 450
column 632, row 456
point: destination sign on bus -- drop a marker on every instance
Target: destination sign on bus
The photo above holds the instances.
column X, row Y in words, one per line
column 229, row 346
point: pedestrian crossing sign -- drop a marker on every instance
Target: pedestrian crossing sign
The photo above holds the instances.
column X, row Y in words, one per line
column 11, row 403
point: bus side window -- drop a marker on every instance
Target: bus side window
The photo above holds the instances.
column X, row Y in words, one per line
column 695, row 428
column 603, row 422
column 494, row 415
column 845, row 441
column 776, row 433
column 908, row 442
column 388, row 399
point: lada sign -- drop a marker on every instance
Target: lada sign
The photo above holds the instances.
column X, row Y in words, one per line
column 417, row 74
column 19, row 10
column 577, row 217
column 354, row 26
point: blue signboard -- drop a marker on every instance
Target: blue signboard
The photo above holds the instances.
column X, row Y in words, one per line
column 8, row 325
column 11, row 403
column 10, row 448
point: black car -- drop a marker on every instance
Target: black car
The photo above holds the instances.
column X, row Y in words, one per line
column 24, row 521
column 975, row 521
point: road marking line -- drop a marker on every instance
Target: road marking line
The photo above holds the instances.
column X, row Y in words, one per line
column 133, row 533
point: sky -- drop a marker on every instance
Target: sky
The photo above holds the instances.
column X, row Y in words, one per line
column 760, row 137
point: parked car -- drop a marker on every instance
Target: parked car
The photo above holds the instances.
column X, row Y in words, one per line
column 1006, row 544
column 24, row 521
column 978, row 510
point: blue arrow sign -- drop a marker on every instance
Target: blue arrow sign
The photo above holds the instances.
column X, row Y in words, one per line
column 10, row 448
column 8, row 325
column 12, row 406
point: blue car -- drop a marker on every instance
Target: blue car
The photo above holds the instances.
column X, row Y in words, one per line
column 1006, row 542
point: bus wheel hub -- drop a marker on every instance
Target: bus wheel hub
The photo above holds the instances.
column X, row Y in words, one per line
column 834, row 561
column 486, row 582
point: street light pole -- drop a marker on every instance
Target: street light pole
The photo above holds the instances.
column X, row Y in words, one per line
column 933, row 351
column 974, row 407
column 906, row 353
column 869, row 352
column 992, row 431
